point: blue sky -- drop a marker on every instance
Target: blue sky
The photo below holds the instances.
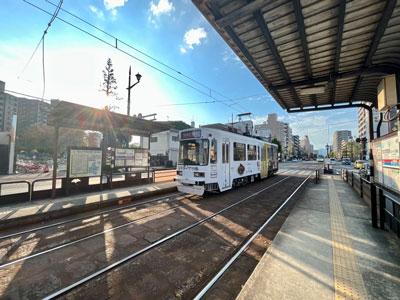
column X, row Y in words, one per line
column 173, row 32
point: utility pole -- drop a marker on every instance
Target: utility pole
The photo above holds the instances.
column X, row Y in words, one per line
column 138, row 76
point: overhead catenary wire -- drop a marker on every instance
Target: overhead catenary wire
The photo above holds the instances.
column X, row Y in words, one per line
column 41, row 41
column 135, row 57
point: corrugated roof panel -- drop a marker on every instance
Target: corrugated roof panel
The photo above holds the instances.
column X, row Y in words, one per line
column 286, row 43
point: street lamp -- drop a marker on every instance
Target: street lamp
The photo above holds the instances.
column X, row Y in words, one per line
column 327, row 150
column 138, row 76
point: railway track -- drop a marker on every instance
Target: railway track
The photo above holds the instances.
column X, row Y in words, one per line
column 103, row 212
column 75, row 288
column 75, row 240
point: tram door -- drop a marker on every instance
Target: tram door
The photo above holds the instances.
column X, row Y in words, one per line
column 225, row 163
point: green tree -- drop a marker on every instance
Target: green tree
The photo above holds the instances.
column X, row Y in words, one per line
column 109, row 84
column 41, row 138
column 275, row 141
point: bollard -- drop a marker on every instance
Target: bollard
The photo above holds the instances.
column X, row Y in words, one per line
column 352, row 179
column 361, row 188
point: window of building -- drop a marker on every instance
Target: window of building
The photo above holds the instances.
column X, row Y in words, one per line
column 175, row 138
column 251, row 152
column 239, row 151
column 213, row 152
column 154, row 139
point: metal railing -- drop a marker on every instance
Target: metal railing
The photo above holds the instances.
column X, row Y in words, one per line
column 24, row 190
column 385, row 207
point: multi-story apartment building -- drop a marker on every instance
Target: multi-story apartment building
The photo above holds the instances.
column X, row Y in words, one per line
column 305, row 145
column 28, row 111
column 279, row 130
column 296, row 146
column 338, row 137
column 32, row 112
column 8, row 108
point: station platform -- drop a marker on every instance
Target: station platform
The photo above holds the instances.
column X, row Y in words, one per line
column 41, row 210
column 327, row 249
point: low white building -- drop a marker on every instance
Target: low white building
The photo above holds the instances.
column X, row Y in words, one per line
column 165, row 143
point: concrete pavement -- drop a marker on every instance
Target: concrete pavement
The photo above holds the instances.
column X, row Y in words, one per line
column 327, row 249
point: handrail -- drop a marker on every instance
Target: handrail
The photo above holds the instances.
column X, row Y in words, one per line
column 16, row 182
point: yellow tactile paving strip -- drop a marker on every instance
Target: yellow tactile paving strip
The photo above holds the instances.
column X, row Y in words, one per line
column 348, row 280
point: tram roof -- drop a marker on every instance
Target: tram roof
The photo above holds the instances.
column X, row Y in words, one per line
column 71, row 115
column 342, row 48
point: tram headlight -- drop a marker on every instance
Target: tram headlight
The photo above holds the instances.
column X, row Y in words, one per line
column 199, row 174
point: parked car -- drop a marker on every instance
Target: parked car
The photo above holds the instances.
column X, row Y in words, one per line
column 358, row 164
column 346, row 161
column 333, row 161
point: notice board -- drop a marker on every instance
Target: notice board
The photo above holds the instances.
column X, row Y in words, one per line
column 386, row 151
column 131, row 157
column 85, row 162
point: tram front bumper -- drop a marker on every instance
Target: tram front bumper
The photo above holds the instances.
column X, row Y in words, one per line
column 191, row 189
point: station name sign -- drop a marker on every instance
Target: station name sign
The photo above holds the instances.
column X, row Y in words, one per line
column 190, row 134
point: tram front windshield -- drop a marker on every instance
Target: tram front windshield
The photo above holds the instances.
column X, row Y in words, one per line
column 193, row 152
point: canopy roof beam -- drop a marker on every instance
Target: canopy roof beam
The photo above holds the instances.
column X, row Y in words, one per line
column 387, row 13
column 353, row 105
column 335, row 76
column 271, row 44
column 342, row 12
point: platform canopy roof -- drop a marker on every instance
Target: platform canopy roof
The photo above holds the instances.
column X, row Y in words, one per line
column 340, row 48
column 71, row 115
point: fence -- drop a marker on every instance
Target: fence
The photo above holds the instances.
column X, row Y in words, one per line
column 24, row 190
column 385, row 206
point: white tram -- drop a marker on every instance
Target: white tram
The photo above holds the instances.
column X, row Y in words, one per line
column 216, row 160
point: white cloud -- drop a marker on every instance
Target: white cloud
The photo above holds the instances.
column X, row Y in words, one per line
column 183, row 50
column 98, row 12
column 194, row 36
column 163, row 7
column 112, row 4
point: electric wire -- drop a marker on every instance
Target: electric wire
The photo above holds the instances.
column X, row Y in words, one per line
column 136, row 49
column 134, row 57
column 41, row 41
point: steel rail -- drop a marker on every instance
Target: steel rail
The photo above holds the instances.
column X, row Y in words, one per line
column 116, row 264
column 89, row 236
column 86, row 217
column 238, row 253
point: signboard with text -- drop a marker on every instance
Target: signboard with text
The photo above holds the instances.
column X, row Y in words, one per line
column 386, row 153
column 131, row 157
column 85, row 162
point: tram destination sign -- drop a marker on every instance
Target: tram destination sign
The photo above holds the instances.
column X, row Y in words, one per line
column 193, row 134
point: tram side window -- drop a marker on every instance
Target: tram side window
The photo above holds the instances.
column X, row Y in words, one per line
column 239, row 151
column 258, row 152
column 213, row 152
column 275, row 153
column 251, row 152
column 270, row 153
column 227, row 153
column 223, row 153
